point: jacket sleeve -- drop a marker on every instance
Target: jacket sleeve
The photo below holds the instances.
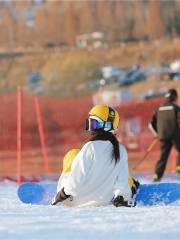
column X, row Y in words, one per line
column 154, row 122
column 62, row 180
column 79, row 170
column 178, row 117
column 121, row 186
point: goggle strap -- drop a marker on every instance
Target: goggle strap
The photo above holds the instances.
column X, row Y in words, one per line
column 104, row 125
column 86, row 125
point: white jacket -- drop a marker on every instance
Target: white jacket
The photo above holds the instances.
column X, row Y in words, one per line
column 95, row 178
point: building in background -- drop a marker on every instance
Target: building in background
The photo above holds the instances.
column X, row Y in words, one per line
column 91, row 40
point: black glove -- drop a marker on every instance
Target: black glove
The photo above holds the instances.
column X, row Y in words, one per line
column 135, row 187
column 60, row 197
column 119, row 202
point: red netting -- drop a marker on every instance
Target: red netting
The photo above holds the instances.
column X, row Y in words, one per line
column 62, row 122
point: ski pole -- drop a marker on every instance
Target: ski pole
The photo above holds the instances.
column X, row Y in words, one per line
column 152, row 144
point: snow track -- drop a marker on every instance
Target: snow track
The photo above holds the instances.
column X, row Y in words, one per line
column 31, row 222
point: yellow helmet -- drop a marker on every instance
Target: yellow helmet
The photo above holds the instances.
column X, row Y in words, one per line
column 105, row 114
column 68, row 159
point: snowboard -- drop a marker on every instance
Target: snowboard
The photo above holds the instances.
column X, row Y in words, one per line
column 148, row 194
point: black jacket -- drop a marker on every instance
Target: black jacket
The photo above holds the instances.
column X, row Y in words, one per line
column 166, row 121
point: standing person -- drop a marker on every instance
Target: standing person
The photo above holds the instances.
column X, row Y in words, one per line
column 165, row 124
column 99, row 172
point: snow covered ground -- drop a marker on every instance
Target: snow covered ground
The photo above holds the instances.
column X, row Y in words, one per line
column 20, row 221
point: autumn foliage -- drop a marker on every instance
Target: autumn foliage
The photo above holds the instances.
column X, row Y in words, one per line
column 58, row 23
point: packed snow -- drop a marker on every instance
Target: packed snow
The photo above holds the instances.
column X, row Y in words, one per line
column 22, row 221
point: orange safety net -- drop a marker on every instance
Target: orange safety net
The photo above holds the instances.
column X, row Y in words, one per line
column 62, row 122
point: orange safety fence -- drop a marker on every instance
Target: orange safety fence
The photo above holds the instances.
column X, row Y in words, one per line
column 36, row 132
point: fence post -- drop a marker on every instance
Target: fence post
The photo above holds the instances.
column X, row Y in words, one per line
column 19, row 133
column 42, row 135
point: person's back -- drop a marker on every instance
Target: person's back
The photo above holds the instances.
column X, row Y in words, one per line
column 95, row 176
column 167, row 120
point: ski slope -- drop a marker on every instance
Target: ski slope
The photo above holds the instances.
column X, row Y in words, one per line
column 21, row 221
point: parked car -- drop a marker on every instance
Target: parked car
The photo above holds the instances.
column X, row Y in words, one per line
column 176, row 77
column 154, row 94
column 132, row 76
column 94, row 84
column 111, row 73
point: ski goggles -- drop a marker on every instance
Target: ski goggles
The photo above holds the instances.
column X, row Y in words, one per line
column 92, row 124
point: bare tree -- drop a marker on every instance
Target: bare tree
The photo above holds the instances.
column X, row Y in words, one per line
column 155, row 25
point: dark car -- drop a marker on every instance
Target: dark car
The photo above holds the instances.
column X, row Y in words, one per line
column 132, row 76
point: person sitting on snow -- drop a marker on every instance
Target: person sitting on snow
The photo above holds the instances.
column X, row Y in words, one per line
column 97, row 175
